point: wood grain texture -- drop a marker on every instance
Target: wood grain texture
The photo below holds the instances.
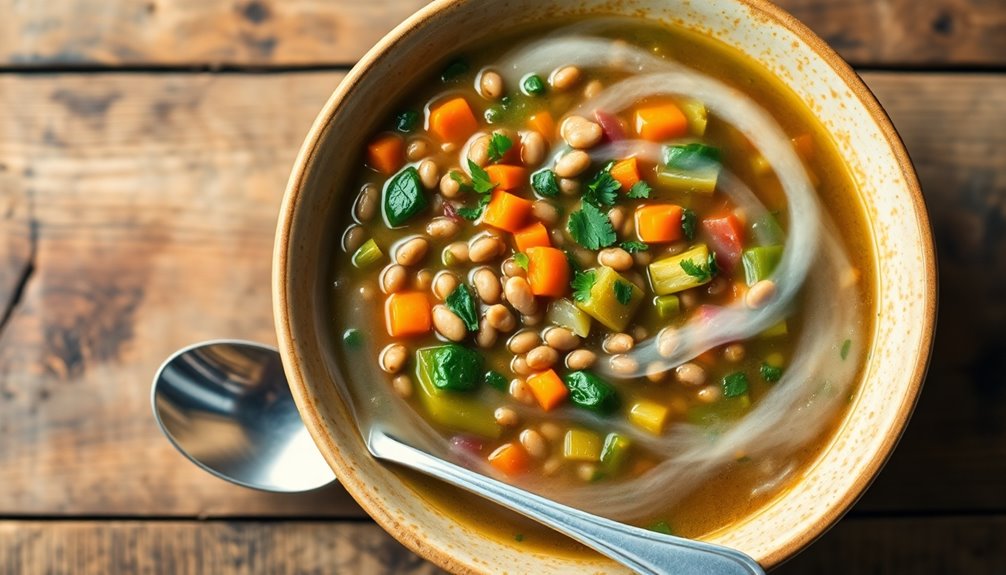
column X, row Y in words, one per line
column 338, row 32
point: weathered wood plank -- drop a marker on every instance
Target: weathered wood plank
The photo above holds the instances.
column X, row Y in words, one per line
column 155, row 198
column 299, row 32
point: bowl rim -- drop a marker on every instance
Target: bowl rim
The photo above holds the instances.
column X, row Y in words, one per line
column 345, row 470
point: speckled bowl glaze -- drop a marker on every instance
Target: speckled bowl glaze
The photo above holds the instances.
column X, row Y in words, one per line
column 905, row 278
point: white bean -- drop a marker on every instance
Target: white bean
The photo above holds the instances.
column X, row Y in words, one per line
column 580, row 133
column 491, row 85
column 532, row 148
column 448, row 324
column 394, row 278
column 487, row 285
column 572, row 164
column 565, row 77
column 412, row 251
column 518, row 293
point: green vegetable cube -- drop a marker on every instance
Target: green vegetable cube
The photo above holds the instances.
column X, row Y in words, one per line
column 668, row 276
column 459, row 412
column 723, row 411
column 668, row 306
column 564, row 313
column 603, row 303
column 582, row 445
column 759, row 262
column 615, row 450
column 690, row 168
column 367, row 255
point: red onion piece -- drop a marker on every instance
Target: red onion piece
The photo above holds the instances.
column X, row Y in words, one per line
column 610, row 125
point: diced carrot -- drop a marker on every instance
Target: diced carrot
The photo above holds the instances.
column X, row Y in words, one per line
column 804, row 145
column 510, row 459
column 661, row 122
column 507, row 211
column 626, row 173
column 548, row 389
column 533, row 236
column 453, row 121
column 386, row 154
column 547, row 271
column 658, row 223
column 407, row 313
column 507, row 177
column 543, row 123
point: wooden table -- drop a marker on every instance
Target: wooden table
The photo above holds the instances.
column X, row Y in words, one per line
column 144, row 147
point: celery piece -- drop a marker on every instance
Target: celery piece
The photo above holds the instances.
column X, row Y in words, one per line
column 778, row 330
column 759, row 262
column 699, row 182
column 648, row 415
column 690, row 168
column 615, row 450
column 603, row 304
column 590, row 392
column 581, row 445
column 668, row 306
column 367, row 255
column 667, row 276
column 564, row 313
column 459, row 412
column 723, row 411
column 697, row 115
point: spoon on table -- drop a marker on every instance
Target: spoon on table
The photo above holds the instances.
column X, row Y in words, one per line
column 226, row 406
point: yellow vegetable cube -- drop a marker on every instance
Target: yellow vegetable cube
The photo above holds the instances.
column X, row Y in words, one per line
column 582, row 445
column 649, row 415
column 604, row 304
column 668, row 276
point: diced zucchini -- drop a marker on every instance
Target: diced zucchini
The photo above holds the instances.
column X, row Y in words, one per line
column 725, row 410
column 668, row 306
column 778, row 330
column 649, row 415
column 615, row 450
column 697, row 115
column 667, row 276
column 457, row 411
column 690, row 168
column 564, row 313
column 699, row 182
column 590, row 392
column 759, row 262
column 582, row 445
column 603, row 304
column 367, row 255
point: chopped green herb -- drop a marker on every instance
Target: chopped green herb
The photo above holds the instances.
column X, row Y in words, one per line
column 691, row 157
column 406, row 121
column 480, row 179
column 521, row 260
column 743, row 459
column 454, row 69
column 590, row 392
column 518, row 537
column 602, row 190
column 591, row 228
column 573, row 264
column 688, row 222
column 352, row 337
column 661, row 527
column 703, row 273
column 403, row 197
column 458, row 177
column 846, row 346
column 499, row 145
column 634, row 247
column 473, row 213
column 640, row 190
column 496, row 380
column 461, row 302
column 545, row 183
column 735, row 384
column 770, row 373
column 533, row 85
column 582, row 284
column 623, row 292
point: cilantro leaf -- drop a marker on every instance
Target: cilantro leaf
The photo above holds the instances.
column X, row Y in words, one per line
column 473, row 213
column 545, row 183
column 701, row 272
column 688, row 222
column 582, row 284
column 623, row 292
column 602, row 190
column 591, row 228
column 770, row 373
column 639, row 191
column 461, row 302
column 735, row 384
column 521, row 260
column 480, row 179
column 499, row 145
column 634, row 247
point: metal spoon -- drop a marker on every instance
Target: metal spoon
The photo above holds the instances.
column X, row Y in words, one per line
column 226, row 406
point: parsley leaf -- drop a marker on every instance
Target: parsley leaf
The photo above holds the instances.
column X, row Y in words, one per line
column 545, row 183
column 701, row 272
column 480, row 179
column 602, row 190
column 533, row 85
column 406, row 121
column 499, row 145
column 461, row 302
column 591, row 228
column 634, row 247
column 573, row 264
column 735, row 384
column 521, row 260
column 352, row 337
column 473, row 213
column 582, row 284
column 623, row 292
column 688, row 222
column 846, row 346
column 640, row 190
column 770, row 373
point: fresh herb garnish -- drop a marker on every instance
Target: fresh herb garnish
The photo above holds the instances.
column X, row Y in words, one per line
column 454, row 69
column 545, row 183
column 404, row 197
column 591, row 228
column 602, row 190
column 461, row 302
column 623, row 292
column 480, row 179
column 573, row 264
column 846, row 346
column 496, row 380
column 688, row 222
column 735, row 384
column 639, row 191
column 406, row 120
column 770, row 373
column 691, row 157
column 521, row 260
column 518, row 537
column 582, row 283
column 352, row 337
column 634, row 247
column 533, row 85
column 473, row 213
column 701, row 272
column 499, row 145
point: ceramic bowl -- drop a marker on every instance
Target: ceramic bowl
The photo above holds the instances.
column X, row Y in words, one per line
column 905, row 276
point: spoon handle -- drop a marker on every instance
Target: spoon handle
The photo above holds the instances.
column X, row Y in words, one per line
column 643, row 551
